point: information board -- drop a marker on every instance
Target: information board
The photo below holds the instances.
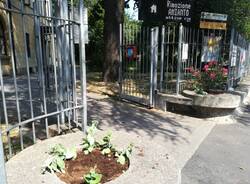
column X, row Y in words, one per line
column 166, row 10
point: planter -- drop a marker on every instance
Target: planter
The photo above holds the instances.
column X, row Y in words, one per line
column 216, row 91
column 106, row 165
column 216, row 101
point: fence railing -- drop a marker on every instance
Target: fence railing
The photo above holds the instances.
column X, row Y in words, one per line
column 179, row 48
column 44, row 91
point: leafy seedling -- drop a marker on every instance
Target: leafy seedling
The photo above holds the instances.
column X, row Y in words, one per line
column 123, row 156
column 92, row 177
column 89, row 142
column 105, row 144
column 55, row 163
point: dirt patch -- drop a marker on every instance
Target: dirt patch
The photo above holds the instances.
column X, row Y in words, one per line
column 107, row 166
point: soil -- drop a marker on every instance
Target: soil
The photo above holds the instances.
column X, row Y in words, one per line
column 107, row 166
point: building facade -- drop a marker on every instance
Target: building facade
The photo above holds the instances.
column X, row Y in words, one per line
column 22, row 32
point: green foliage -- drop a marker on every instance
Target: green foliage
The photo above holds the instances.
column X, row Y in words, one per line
column 58, row 154
column 92, row 177
column 123, row 156
column 89, row 142
column 213, row 77
column 105, row 145
column 95, row 47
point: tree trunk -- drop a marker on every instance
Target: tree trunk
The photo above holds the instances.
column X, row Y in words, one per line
column 114, row 10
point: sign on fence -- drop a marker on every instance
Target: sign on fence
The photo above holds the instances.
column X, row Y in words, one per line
column 214, row 16
column 162, row 10
column 213, row 25
column 185, row 51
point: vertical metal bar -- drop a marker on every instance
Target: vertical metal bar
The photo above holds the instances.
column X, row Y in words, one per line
column 140, row 59
column 156, row 37
column 173, row 52
column 14, row 77
column 229, row 79
column 137, row 71
column 53, row 54
column 73, row 61
column 83, row 68
column 5, row 108
column 148, row 50
column 179, row 59
column 60, row 68
column 143, row 58
column 120, row 60
column 154, row 60
column 67, row 66
column 162, row 56
column 129, row 61
column 28, row 72
column 3, row 177
column 198, row 45
column 133, row 80
column 41, row 68
column 167, row 58
column 152, row 69
column 202, row 44
column 193, row 47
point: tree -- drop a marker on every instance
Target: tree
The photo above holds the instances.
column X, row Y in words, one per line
column 114, row 11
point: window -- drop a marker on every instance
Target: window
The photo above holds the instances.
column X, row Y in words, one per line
column 27, row 36
column 3, row 48
column 27, row 2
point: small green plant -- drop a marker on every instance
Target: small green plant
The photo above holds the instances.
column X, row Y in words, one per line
column 89, row 142
column 58, row 154
column 105, row 145
column 92, row 177
column 123, row 156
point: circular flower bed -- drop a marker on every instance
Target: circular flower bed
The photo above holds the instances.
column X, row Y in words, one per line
column 81, row 166
column 97, row 161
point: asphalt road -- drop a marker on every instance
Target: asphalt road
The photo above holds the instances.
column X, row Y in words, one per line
column 224, row 156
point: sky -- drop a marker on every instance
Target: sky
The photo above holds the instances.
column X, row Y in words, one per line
column 133, row 13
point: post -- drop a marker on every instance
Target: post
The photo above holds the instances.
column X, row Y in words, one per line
column 83, row 68
column 154, row 61
column 120, row 59
column 179, row 60
column 3, row 177
column 231, row 53
column 162, row 56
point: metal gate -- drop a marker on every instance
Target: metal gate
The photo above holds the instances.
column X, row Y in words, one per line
column 138, row 55
column 157, row 60
column 45, row 92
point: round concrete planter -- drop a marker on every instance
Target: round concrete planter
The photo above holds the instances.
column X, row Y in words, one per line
column 215, row 101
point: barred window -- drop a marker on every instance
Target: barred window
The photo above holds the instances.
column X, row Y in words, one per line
column 3, row 49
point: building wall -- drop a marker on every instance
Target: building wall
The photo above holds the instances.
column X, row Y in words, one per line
column 19, row 40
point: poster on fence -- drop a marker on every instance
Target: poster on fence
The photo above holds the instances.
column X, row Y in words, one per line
column 211, row 48
column 234, row 56
column 242, row 61
column 184, row 52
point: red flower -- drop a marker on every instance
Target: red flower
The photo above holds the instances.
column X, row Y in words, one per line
column 212, row 63
column 206, row 67
column 212, row 75
column 196, row 74
column 225, row 71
